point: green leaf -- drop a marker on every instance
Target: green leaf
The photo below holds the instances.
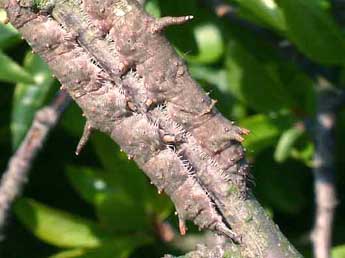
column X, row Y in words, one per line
column 28, row 98
column 125, row 173
column 281, row 186
column 253, row 82
column 265, row 130
column 305, row 154
column 286, row 143
column 113, row 202
column 9, row 36
column 209, row 42
column 213, row 76
column 11, row 72
column 260, row 77
column 119, row 248
column 104, row 252
column 116, row 210
column 313, row 31
column 152, row 7
column 93, row 185
column 266, row 10
column 338, row 252
column 122, row 214
column 57, row 227
column 69, row 254
column 300, row 87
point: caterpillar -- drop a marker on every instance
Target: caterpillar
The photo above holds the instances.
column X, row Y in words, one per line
column 143, row 102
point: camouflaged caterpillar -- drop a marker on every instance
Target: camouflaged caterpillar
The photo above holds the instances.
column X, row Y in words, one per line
column 82, row 45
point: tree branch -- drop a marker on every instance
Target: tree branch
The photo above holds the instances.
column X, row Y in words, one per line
column 324, row 168
column 131, row 85
column 15, row 176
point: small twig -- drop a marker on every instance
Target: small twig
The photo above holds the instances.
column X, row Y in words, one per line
column 19, row 165
column 324, row 169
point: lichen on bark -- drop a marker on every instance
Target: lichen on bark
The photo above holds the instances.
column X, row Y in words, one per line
column 113, row 60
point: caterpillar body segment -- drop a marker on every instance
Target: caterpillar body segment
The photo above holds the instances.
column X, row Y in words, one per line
column 191, row 200
column 141, row 141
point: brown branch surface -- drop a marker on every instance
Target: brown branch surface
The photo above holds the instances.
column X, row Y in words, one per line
column 15, row 176
column 131, row 85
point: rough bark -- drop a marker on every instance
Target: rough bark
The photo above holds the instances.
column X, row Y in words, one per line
column 111, row 57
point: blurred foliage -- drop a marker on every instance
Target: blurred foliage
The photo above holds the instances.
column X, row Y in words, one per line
column 101, row 205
